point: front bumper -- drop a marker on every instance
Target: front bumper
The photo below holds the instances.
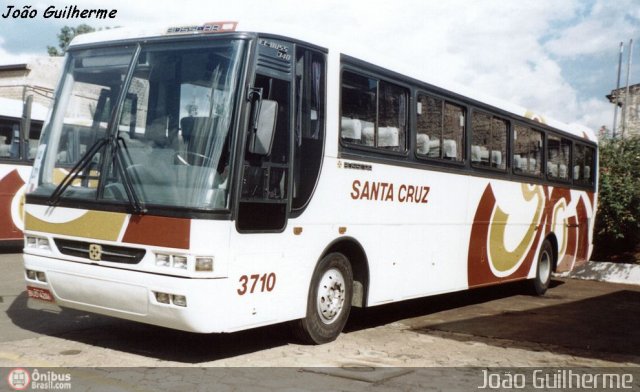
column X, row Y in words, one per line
column 131, row 295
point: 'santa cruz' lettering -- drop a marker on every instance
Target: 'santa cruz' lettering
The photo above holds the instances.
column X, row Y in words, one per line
column 384, row 191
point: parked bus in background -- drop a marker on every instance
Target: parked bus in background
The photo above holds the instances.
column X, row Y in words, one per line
column 212, row 179
column 20, row 127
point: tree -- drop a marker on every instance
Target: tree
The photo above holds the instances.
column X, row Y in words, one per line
column 617, row 228
column 65, row 36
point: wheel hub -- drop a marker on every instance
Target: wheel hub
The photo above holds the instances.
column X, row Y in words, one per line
column 545, row 267
column 331, row 296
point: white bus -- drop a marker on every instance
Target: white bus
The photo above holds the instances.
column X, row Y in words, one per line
column 20, row 127
column 212, row 178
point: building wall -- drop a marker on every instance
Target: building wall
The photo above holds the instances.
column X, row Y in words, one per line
column 40, row 78
column 633, row 110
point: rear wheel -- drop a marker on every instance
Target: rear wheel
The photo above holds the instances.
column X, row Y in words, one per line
column 328, row 302
column 541, row 282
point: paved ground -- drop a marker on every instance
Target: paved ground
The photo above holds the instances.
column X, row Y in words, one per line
column 625, row 273
column 578, row 323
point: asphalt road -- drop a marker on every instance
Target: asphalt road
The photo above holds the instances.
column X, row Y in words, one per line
column 578, row 323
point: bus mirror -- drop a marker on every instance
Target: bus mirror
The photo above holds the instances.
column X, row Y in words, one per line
column 262, row 139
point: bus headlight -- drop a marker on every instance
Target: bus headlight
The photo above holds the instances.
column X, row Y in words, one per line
column 41, row 276
column 31, row 242
column 204, row 264
column 179, row 300
column 162, row 260
column 43, row 243
column 173, row 299
column 37, row 276
column 163, row 298
column 35, row 242
column 180, row 262
column 185, row 262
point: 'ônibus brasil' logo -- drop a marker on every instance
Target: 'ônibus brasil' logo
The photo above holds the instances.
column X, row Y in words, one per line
column 19, row 379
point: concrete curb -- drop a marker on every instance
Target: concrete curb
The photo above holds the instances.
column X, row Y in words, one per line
column 606, row 272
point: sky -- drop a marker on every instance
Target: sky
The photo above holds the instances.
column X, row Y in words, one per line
column 555, row 57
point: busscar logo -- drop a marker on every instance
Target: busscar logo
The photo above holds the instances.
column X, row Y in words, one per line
column 95, row 252
column 19, row 379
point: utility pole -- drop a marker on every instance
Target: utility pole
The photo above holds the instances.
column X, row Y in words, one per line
column 626, row 96
column 617, row 97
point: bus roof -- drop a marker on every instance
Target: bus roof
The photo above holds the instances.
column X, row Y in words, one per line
column 341, row 46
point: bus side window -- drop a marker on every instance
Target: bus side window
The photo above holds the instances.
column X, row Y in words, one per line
column 309, row 124
column 34, row 137
column 440, row 129
column 359, row 109
column 558, row 153
column 583, row 164
column 10, row 139
column 265, row 178
column 374, row 113
column 527, row 150
column 488, row 141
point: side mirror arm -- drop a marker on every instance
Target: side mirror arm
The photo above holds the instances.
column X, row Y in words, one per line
column 255, row 97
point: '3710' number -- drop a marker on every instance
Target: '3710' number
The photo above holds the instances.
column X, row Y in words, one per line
column 267, row 283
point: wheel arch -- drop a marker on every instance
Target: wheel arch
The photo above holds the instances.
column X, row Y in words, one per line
column 354, row 252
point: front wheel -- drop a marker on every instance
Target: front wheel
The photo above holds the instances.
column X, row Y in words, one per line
column 540, row 283
column 329, row 301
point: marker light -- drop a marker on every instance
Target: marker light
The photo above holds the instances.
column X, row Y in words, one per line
column 179, row 300
column 180, row 262
column 162, row 260
column 204, row 264
column 41, row 276
column 31, row 274
column 210, row 27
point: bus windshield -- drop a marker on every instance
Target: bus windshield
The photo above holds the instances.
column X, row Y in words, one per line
column 170, row 130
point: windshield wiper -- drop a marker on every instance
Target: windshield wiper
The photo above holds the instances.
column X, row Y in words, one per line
column 78, row 168
column 117, row 159
column 127, row 182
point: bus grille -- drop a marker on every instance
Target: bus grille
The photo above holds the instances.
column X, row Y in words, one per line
column 115, row 254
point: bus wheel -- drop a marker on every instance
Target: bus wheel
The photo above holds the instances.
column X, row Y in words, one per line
column 541, row 282
column 329, row 301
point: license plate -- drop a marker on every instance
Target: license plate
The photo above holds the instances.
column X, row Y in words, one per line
column 41, row 294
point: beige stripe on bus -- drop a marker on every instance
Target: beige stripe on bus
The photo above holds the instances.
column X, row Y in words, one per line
column 99, row 225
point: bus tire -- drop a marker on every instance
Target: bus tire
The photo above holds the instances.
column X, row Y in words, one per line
column 544, row 267
column 328, row 302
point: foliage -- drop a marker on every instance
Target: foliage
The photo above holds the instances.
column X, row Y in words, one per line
column 618, row 220
column 65, row 36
